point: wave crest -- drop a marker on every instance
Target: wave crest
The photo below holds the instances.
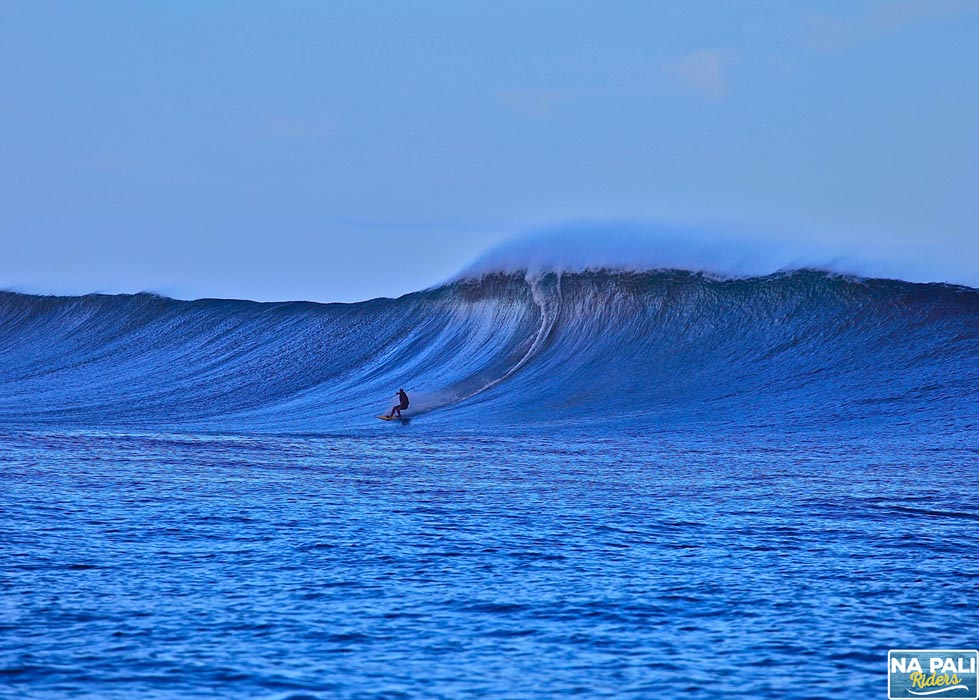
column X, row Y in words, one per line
column 633, row 247
column 636, row 348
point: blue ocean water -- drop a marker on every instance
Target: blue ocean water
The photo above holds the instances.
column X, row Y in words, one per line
column 608, row 484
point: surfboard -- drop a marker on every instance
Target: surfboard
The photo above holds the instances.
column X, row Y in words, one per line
column 391, row 418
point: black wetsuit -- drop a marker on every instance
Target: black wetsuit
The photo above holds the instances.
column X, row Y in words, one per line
column 404, row 400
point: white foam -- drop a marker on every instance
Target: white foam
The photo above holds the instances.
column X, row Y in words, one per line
column 641, row 247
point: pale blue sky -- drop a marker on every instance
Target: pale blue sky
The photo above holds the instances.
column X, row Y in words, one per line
column 343, row 150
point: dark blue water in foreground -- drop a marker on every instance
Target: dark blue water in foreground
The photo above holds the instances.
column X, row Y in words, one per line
column 653, row 485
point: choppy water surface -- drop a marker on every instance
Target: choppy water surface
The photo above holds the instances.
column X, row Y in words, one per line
column 405, row 563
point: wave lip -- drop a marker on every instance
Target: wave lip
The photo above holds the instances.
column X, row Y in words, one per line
column 640, row 247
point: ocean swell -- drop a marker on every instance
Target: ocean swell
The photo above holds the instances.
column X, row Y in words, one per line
column 641, row 349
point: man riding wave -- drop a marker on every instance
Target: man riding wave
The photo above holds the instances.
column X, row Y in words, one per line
column 403, row 397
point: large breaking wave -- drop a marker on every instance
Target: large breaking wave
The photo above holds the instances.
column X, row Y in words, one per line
column 801, row 349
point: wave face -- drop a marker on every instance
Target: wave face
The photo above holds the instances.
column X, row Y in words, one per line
column 800, row 350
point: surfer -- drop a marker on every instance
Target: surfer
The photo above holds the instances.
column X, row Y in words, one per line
column 403, row 397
